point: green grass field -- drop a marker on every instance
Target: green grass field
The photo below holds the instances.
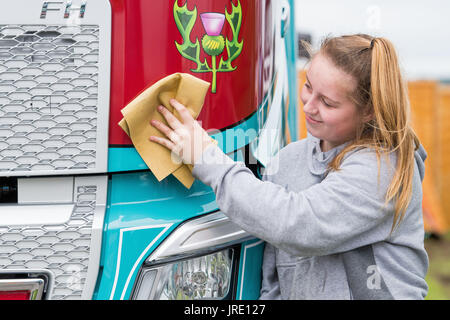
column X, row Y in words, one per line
column 438, row 277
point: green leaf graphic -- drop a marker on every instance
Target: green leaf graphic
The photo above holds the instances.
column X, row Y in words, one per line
column 185, row 20
column 213, row 46
column 234, row 47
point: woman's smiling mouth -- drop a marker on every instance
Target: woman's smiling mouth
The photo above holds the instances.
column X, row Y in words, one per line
column 311, row 120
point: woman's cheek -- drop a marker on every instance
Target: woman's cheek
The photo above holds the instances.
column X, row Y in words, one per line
column 304, row 95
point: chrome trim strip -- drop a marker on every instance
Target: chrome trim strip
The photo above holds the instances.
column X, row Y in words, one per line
column 25, row 273
column 31, row 215
column 96, row 232
column 208, row 231
column 35, row 286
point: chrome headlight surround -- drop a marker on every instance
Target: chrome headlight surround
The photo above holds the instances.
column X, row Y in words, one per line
column 199, row 260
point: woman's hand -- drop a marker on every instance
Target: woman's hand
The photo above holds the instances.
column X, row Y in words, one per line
column 186, row 139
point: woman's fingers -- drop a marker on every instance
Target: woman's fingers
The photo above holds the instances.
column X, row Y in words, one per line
column 186, row 137
column 166, row 130
column 167, row 143
column 171, row 119
column 182, row 110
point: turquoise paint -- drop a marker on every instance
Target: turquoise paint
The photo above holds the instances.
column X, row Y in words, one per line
column 137, row 205
column 124, row 159
column 250, row 265
column 128, row 159
column 139, row 241
column 291, row 52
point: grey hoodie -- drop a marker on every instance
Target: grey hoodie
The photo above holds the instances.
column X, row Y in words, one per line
column 328, row 235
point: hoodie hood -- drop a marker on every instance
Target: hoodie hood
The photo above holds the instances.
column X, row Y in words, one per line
column 420, row 155
column 318, row 160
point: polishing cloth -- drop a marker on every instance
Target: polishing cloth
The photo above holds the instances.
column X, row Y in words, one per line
column 189, row 91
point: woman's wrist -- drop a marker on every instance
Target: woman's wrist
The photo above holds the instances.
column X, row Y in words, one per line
column 206, row 143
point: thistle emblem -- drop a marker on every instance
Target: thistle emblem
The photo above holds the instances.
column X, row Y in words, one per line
column 212, row 43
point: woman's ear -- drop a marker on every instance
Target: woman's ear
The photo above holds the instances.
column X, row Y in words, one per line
column 368, row 116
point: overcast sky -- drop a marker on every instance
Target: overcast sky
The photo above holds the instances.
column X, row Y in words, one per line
column 420, row 30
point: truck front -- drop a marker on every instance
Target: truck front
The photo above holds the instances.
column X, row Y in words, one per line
column 81, row 215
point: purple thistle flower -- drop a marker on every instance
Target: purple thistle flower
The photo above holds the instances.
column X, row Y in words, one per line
column 212, row 22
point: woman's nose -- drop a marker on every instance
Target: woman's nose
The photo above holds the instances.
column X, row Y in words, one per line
column 309, row 106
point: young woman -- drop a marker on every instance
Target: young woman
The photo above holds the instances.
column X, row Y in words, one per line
column 342, row 215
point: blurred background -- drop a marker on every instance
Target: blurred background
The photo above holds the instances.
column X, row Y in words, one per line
column 420, row 31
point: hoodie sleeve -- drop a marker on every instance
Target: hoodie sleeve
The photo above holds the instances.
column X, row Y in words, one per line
column 345, row 211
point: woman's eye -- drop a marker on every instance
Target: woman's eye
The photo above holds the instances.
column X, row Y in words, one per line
column 307, row 85
column 327, row 104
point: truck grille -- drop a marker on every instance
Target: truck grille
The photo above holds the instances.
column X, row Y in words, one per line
column 62, row 249
column 48, row 98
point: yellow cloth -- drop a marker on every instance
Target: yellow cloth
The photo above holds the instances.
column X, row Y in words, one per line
column 188, row 90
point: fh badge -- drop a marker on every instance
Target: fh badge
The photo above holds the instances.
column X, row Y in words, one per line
column 213, row 42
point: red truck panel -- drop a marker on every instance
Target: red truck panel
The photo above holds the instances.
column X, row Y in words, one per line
column 144, row 37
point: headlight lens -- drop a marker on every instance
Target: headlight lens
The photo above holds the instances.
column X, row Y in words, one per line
column 204, row 277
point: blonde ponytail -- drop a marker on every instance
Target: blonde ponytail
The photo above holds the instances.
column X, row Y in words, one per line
column 392, row 113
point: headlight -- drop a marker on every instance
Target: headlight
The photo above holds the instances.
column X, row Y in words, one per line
column 202, row 277
column 199, row 260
